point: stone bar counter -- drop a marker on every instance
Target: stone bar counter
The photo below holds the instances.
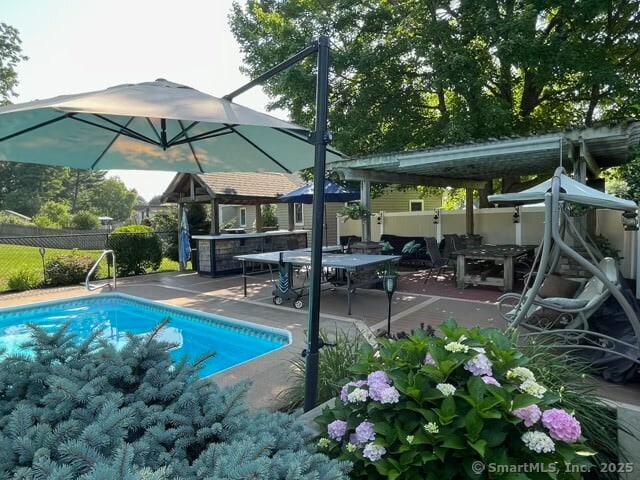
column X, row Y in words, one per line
column 215, row 252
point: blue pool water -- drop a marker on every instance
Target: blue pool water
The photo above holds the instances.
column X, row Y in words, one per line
column 234, row 341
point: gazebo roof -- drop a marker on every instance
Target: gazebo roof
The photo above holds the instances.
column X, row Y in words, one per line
column 472, row 164
column 241, row 188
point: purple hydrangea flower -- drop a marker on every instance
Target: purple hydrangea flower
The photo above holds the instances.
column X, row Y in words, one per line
column 337, row 429
column 561, row 425
column 365, row 432
column 389, row 395
column 489, row 380
column 379, row 376
column 479, row 365
column 378, row 382
column 428, row 360
column 530, row 414
column 373, row 452
column 345, row 390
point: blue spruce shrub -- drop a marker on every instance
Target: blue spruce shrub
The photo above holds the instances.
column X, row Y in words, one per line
column 89, row 411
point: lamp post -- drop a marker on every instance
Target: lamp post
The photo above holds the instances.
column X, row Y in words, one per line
column 389, row 283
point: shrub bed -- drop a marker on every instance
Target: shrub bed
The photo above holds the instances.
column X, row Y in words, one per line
column 462, row 405
column 67, row 269
column 93, row 412
column 137, row 249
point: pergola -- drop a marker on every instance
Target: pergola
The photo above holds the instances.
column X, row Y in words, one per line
column 584, row 152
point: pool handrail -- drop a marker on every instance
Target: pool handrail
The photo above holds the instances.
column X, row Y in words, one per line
column 91, row 287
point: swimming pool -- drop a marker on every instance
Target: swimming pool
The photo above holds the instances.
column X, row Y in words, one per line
column 197, row 333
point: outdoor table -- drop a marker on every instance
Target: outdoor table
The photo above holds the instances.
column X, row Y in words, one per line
column 505, row 254
column 348, row 264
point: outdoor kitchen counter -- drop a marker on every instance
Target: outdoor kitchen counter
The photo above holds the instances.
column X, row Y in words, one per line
column 215, row 252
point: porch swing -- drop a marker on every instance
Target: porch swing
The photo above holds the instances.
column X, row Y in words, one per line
column 568, row 314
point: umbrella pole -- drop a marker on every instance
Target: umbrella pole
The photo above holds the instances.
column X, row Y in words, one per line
column 320, row 140
column 326, row 233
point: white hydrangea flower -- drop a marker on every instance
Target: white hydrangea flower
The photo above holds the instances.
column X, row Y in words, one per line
column 539, row 442
column 351, row 447
column 532, row 388
column 373, row 451
column 357, row 395
column 410, row 439
column 431, row 427
column 323, row 443
column 521, row 373
column 446, row 389
column 456, row 347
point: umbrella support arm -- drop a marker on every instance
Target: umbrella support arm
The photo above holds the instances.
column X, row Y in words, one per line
column 310, row 50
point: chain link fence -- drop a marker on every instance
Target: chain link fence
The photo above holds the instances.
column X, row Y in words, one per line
column 25, row 256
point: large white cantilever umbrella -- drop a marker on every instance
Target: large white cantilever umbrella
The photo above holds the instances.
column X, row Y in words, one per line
column 165, row 126
column 152, row 126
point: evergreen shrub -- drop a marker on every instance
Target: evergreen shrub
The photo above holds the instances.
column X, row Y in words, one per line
column 67, row 269
column 460, row 405
column 90, row 411
column 137, row 249
column 85, row 220
column 23, row 280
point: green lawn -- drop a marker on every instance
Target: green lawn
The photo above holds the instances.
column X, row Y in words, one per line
column 15, row 258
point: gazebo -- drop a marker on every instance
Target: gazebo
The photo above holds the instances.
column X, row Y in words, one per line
column 230, row 188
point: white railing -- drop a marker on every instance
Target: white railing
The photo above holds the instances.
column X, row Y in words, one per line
column 104, row 253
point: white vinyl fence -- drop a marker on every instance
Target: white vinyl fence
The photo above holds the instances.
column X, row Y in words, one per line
column 496, row 225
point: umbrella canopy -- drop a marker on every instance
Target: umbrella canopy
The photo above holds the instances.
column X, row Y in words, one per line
column 570, row 190
column 152, row 126
column 184, row 250
column 332, row 193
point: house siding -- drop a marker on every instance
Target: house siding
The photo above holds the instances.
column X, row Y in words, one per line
column 398, row 201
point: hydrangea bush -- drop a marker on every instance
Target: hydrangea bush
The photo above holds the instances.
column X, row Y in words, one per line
column 462, row 405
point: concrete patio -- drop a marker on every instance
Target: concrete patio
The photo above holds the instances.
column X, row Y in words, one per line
column 414, row 303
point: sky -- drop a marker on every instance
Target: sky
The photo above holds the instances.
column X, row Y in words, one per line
column 77, row 46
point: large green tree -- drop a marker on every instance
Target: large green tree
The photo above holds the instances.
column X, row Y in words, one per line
column 419, row 73
column 10, row 56
column 109, row 198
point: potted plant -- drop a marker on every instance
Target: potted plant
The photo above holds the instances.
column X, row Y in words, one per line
column 354, row 211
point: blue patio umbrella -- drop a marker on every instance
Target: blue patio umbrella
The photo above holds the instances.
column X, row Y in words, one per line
column 184, row 247
column 332, row 193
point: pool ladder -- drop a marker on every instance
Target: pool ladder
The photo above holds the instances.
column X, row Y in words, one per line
column 91, row 287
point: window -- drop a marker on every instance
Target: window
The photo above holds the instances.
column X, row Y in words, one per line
column 298, row 214
column 243, row 217
column 415, row 205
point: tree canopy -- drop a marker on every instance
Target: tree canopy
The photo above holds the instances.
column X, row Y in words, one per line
column 10, row 56
column 26, row 188
column 411, row 74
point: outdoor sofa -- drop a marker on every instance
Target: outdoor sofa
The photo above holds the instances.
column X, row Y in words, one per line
column 412, row 249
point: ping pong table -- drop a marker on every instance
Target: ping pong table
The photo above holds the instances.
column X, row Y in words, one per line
column 347, row 264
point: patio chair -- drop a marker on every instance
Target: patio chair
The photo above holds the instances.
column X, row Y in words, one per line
column 347, row 240
column 558, row 312
column 438, row 262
